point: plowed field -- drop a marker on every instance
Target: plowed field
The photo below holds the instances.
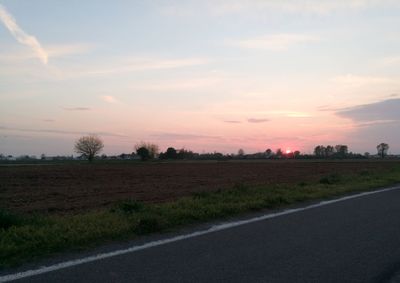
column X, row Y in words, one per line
column 72, row 188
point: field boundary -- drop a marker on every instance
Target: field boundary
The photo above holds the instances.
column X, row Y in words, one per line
column 215, row 228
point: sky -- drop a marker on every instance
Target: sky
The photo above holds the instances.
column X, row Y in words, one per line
column 205, row 75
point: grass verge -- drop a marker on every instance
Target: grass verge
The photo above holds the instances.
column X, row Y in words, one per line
column 25, row 238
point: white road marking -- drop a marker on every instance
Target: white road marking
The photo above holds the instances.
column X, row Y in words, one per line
column 220, row 227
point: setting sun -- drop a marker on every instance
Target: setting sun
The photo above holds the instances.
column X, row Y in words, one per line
column 288, row 151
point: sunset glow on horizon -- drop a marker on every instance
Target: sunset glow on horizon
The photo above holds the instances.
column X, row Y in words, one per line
column 202, row 75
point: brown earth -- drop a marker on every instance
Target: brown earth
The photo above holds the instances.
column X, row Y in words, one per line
column 72, row 188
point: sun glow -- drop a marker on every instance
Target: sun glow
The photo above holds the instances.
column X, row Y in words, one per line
column 288, row 151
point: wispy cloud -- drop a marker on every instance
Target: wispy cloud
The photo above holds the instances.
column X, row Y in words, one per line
column 232, row 122
column 317, row 7
column 356, row 80
column 389, row 61
column 109, row 99
column 274, row 42
column 53, row 131
column 179, row 84
column 142, row 64
column 287, row 113
column 61, row 50
column 262, row 8
column 21, row 36
column 53, row 51
column 76, row 108
column 177, row 136
column 255, row 120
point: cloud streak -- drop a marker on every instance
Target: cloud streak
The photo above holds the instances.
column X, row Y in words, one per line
column 143, row 64
column 109, row 99
column 76, row 108
column 232, row 122
column 21, row 36
column 256, row 121
column 274, row 42
column 176, row 136
column 52, row 131
column 357, row 81
column 316, row 7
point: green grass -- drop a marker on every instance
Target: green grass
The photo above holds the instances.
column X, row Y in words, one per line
column 26, row 238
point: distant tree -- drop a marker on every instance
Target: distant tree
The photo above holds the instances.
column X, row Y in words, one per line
column 89, row 146
column 382, row 149
column 341, row 150
column 268, row 153
column 319, row 150
column 296, row 154
column 329, row 150
column 279, row 153
column 171, row 153
column 143, row 152
column 42, row 156
column 151, row 147
column 187, row 154
column 367, row 154
column 241, row 152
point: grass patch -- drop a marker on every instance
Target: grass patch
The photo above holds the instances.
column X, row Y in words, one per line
column 25, row 238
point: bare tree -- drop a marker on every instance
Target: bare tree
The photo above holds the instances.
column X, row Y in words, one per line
column 319, row 150
column 382, row 149
column 89, row 146
column 329, row 150
column 341, row 149
column 151, row 147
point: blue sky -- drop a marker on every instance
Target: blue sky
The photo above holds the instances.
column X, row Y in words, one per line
column 204, row 75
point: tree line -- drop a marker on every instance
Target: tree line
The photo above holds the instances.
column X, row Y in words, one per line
column 90, row 146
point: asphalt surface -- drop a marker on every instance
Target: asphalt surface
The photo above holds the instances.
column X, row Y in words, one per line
column 357, row 240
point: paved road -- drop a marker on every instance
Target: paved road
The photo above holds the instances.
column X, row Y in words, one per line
column 356, row 240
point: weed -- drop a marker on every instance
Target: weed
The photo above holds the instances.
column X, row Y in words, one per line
column 331, row 179
column 128, row 207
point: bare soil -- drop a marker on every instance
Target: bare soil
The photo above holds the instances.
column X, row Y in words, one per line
column 73, row 188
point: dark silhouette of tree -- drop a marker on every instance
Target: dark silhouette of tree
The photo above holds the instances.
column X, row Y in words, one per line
column 329, row 150
column 279, row 153
column 341, row 150
column 268, row 153
column 171, row 153
column 144, row 153
column 89, row 146
column 241, row 152
column 296, row 154
column 151, row 147
column 319, row 150
column 187, row 154
column 382, row 149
